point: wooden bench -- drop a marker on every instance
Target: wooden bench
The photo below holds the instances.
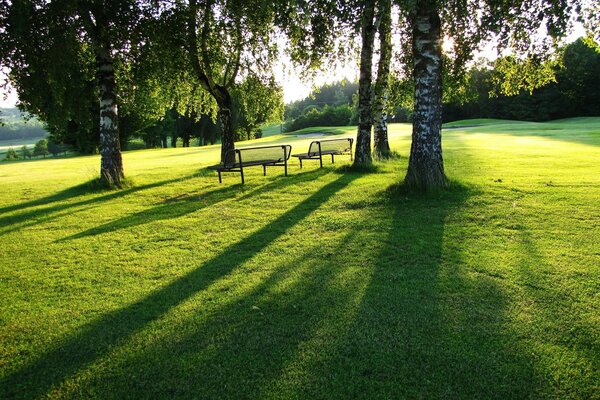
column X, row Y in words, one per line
column 333, row 147
column 253, row 156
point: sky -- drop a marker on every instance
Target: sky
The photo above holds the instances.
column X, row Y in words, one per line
column 294, row 87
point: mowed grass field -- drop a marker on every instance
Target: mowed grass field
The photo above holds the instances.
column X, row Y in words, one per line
column 323, row 284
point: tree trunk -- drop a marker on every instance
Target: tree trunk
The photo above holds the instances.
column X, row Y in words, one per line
column 426, row 165
column 381, row 89
column 111, row 163
column 365, row 120
column 228, row 136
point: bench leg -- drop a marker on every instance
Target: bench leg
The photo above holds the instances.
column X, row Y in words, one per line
column 321, row 160
column 220, row 180
column 285, row 167
column 332, row 161
column 264, row 170
column 300, row 163
column 242, row 173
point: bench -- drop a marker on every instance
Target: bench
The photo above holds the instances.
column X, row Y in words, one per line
column 254, row 156
column 333, row 147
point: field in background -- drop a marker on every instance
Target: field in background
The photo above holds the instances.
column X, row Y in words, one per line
column 322, row 284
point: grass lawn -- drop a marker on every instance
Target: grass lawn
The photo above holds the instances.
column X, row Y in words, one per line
column 323, row 284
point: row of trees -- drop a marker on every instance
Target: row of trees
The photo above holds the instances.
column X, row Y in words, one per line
column 571, row 89
column 42, row 148
column 144, row 57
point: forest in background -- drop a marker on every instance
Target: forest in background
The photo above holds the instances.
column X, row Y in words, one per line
column 486, row 90
column 15, row 125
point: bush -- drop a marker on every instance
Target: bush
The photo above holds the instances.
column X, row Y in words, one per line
column 41, row 148
column 56, row 148
column 11, row 155
column 327, row 116
column 26, row 152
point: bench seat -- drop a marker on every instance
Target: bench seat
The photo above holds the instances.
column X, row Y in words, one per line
column 332, row 147
column 254, row 156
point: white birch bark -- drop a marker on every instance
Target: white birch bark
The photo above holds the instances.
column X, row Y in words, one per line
column 111, row 163
column 365, row 119
column 426, row 165
column 381, row 88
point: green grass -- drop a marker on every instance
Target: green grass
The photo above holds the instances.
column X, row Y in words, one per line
column 271, row 129
column 322, row 284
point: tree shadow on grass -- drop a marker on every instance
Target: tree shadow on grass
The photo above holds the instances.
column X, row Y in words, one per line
column 31, row 217
column 98, row 338
column 425, row 328
column 560, row 314
column 187, row 204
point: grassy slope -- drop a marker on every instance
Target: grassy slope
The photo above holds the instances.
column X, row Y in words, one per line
column 322, row 284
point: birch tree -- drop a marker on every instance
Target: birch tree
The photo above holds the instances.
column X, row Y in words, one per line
column 382, row 82
column 218, row 43
column 44, row 42
column 362, row 154
column 467, row 23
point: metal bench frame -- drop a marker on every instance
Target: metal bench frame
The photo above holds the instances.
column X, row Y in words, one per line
column 239, row 165
column 321, row 153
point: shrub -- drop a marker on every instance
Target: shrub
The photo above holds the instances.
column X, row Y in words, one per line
column 41, row 148
column 26, row 152
column 327, row 116
column 11, row 155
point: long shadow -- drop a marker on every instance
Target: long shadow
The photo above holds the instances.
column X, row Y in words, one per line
column 425, row 329
column 76, row 191
column 98, row 338
column 300, row 300
column 187, row 204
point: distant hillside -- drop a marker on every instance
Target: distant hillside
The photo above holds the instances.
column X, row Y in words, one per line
column 17, row 125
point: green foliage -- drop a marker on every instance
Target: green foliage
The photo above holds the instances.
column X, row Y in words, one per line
column 11, row 155
column 56, row 148
column 17, row 125
column 568, row 87
column 326, row 116
column 331, row 94
column 49, row 49
column 256, row 102
column 41, row 148
column 26, row 152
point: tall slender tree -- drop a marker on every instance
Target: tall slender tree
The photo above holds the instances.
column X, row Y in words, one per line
column 426, row 165
column 362, row 152
column 382, row 82
column 225, row 41
column 53, row 48
column 513, row 24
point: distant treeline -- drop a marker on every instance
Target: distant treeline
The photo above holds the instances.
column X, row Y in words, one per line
column 14, row 126
column 572, row 90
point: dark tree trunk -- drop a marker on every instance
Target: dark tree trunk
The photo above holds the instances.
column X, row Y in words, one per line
column 111, row 163
column 365, row 118
column 228, row 134
column 426, row 165
column 381, row 89
column 163, row 142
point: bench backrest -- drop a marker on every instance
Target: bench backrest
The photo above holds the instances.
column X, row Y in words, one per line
column 331, row 145
column 279, row 153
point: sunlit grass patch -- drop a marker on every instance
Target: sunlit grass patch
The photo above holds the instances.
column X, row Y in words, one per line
column 324, row 283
